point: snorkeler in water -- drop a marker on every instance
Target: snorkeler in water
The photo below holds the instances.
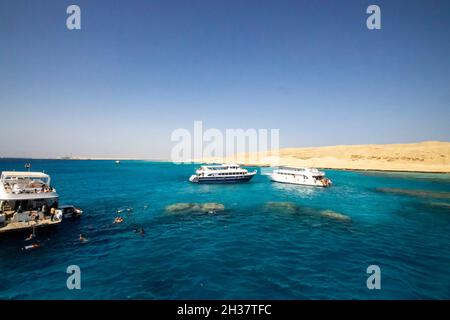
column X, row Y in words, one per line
column 140, row 231
column 31, row 247
column 31, row 236
column 118, row 220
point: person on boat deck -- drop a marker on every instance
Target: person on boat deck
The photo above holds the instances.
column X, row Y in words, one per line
column 52, row 213
column 34, row 216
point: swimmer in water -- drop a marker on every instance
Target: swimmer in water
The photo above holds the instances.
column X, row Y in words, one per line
column 118, row 220
column 140, row 231
column 32, row 246
column 30, row 237
column 82, row 238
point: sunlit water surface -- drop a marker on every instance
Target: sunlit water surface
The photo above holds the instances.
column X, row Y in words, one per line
column 271, row 241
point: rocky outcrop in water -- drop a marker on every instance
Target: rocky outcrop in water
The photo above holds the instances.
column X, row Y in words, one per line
column 201, row 208
column 335, row 215
column 292, row 208
column 285, row 207
column 416, row 193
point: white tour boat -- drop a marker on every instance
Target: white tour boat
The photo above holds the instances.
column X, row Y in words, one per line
column 303, row 176
column 27, row 201
column 225, row 173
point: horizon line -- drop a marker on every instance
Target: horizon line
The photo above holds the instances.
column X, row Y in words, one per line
column 168, row 160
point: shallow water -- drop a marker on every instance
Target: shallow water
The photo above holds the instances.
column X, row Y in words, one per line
column 258, row 240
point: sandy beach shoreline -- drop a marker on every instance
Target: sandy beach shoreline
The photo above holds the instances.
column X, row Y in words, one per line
column 426, row 157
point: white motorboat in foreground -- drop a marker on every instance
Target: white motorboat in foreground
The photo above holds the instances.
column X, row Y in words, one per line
column 28, row 201
column 69, row 212
column 225, row 173
column 303, row 176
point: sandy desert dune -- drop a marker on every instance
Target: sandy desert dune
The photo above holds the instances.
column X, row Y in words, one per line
column 430, row 156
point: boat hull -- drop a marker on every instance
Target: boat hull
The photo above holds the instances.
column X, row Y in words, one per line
column 237, row 179
column 297, row 181
column 26, row 227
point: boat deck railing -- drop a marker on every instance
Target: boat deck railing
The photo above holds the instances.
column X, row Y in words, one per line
column 21, row 189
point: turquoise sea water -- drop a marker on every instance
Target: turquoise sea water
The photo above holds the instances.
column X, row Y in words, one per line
column 272, row 241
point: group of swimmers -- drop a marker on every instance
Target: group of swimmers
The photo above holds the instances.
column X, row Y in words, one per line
column 82, row 238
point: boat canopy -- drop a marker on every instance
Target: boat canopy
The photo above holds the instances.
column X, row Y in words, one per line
column 221, row 166
column 298, row 169
column 12, row 175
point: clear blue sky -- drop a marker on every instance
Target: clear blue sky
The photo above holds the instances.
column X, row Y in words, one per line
column 140, row 69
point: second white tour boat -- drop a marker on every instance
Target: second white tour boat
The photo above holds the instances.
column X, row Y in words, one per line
column 303, row 176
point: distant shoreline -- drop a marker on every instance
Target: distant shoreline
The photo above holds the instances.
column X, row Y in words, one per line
column 83, row 159
column 422, row 157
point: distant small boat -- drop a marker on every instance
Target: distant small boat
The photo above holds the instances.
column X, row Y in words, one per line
column 222, row 174
column 303, row 176
column 117, row 161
